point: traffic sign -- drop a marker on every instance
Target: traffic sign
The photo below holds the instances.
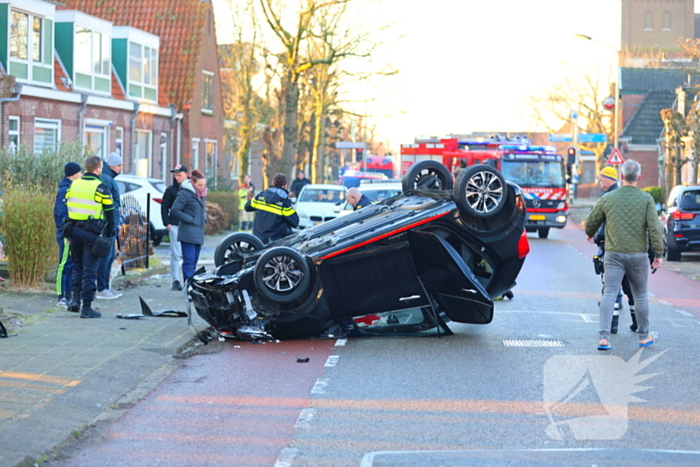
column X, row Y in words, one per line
column 615, row 157
column 349, row 145
column 559, row 138
column 593, row 138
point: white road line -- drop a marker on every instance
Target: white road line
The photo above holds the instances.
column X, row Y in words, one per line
column 664, row 302
column 305, row 418
column 286, row 457
column 340, row 342
column 586, row 319
column 684, row 313
column 332, row 360
column 320, row 386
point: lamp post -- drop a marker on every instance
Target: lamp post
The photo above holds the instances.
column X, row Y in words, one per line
column 617, row 85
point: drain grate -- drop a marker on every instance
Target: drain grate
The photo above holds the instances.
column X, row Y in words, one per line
column 532, row 343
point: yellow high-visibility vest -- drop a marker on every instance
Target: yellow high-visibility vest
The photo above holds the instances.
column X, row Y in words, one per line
column 83, row 200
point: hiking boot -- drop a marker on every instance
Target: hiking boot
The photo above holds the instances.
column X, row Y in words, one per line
column 74, row 304
column 106, row 294
column 88, row 312
column 615, row 322
column 176, row 286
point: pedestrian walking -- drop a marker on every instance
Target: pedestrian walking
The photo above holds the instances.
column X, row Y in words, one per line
column 189, row 210
column 356, row 199
column 631, row 223
column 180, row 174
column 608, row 181
column 112, row 167
column 246, row 191
column 300, row 182
column 90, row 212
column 274, row 215
column 64, row 272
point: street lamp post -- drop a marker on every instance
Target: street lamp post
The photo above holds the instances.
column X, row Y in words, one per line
column 617, row 86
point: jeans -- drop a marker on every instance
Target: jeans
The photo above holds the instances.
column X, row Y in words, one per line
column 64, row 273
column 190, row 256
column 636, row 267
column 104, row 267
column 175, row 254
column 84, row 264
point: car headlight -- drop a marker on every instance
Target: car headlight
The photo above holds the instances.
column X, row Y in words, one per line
column 303, row 215
column 561, row 205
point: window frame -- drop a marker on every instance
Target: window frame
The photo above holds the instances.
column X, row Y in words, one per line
column 149, row 152
column 47, row 123
column 210, row 161
column 17, row 133
column 666, row 21
column 148, row 61
column 648, row 21
column 38, row 62
column 195, row 153
column 208, row 92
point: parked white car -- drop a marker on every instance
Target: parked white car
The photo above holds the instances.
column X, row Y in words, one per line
column 139, row 187
column 315, row 204
column 376, row 190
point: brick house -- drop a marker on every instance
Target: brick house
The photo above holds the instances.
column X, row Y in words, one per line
column 139, row 78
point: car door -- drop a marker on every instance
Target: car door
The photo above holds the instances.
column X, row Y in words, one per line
column 449, row 280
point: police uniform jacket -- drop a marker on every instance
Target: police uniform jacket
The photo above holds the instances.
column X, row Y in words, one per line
column 60, row 210
column 189, row 210
column 275, row 217
column 167, row 204
column 88, row 196
column 364, row 201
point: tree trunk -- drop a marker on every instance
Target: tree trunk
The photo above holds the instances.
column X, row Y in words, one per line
column 678, row 166
column 291, row 127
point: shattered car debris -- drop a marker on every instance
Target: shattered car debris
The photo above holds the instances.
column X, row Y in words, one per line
column 440, row 251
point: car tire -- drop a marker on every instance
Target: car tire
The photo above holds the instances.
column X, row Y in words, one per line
column 673, row 254
column 430, row 175
column 543, row 232
column 480, row 191
column 230, row 248
column 282, row 275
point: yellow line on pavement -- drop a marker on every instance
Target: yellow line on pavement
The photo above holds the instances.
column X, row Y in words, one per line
column 40, row 378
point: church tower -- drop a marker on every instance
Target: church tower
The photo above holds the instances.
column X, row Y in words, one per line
column 651, row 28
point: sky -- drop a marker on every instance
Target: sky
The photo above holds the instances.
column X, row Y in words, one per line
column 471, row 65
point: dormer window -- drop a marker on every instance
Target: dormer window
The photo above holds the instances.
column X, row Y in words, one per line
column 28, row 27
column 85, row 49
column 136, row 62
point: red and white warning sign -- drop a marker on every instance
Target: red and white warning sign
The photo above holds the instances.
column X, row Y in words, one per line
column 615, row 157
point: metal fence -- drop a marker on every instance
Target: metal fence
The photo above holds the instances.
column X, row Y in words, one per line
column 134, row 241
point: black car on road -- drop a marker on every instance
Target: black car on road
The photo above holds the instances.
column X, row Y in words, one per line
column 442, row 250
column 681, row 221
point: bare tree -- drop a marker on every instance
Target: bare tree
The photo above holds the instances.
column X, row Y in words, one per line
column 676, row 130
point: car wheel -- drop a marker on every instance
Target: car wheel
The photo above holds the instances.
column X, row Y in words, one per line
column 672, row 254
column 427, row 174
column 543, row 232
column 480, row 191
column 282, row 275
column 234, row 248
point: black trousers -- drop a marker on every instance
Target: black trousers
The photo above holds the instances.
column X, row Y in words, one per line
column 84, row 283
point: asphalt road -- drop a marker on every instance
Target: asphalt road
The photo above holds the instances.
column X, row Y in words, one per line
column 527, row 389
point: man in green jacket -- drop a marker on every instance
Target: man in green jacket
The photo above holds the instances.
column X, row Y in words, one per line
column 631, row 222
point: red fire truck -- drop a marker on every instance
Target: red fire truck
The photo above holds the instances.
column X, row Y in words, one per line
column 538, row 170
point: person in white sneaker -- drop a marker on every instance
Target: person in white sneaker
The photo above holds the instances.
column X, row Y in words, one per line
column 113, row 167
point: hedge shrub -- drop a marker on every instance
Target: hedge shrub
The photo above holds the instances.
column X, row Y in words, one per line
column 657, row 193
column 228, row 201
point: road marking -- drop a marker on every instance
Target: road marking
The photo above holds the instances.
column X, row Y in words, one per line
column 340, row 342
column 305, row 418
column 664, row 302
column 40, row 378
column 332, row 360
column 320, row 386
column 532, row 343
column 586, row 319
column 684, row 313
column 286, row 457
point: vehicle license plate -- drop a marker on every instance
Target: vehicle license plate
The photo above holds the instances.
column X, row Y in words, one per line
column 537, row 217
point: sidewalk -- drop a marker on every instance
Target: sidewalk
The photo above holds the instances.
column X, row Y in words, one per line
column 60, row 373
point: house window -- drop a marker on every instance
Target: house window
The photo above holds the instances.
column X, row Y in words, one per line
column 92, row 60
column 96, row 140
column 143, row 71
column 648, row 21
column 207, row 92
column 195, row 153
column 13, row 134
column 210, row 151
column 144, row 153
column 31, row 47
column 47, row 134
column 666, row 21
column 119, row 141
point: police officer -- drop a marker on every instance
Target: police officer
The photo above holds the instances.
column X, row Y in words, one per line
column 356, row 199
column 90, row 211
column 275, row 217
column 64, row 273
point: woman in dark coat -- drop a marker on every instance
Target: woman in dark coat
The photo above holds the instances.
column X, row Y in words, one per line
column 188, row 209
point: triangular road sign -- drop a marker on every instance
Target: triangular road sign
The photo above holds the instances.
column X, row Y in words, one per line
column 615, row 157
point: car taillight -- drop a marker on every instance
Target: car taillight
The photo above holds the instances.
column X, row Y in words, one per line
column 523, row 245
column 682, row 216
column 158, row 200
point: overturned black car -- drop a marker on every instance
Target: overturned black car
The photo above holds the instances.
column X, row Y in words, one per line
column 406, row 265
